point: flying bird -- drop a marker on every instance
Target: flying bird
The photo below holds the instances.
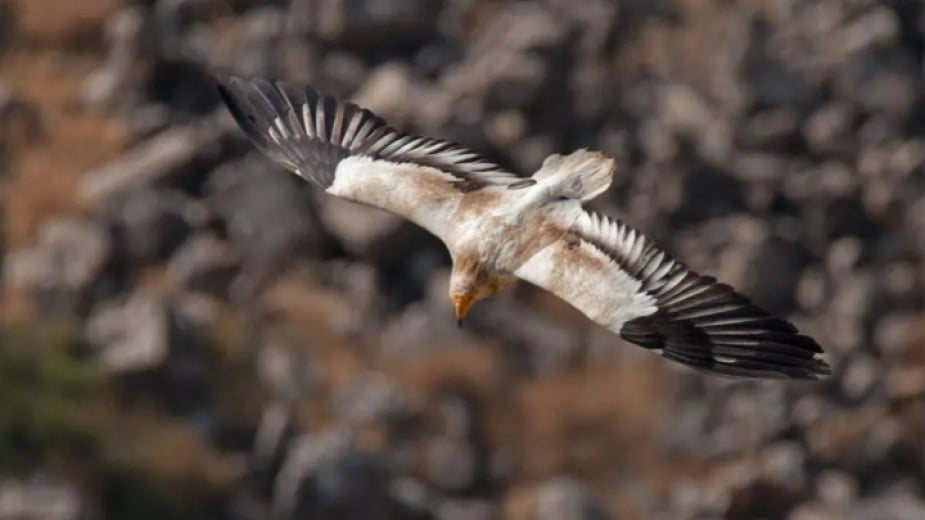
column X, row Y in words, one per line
column 500, row 227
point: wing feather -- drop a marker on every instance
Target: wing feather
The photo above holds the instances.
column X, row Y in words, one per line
column 259, row 105
column 352, row 153
column 640, row 292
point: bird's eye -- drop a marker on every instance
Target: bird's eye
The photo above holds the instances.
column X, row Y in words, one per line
column 562, row 198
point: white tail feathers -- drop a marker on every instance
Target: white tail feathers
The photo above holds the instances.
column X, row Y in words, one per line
column 579, row 175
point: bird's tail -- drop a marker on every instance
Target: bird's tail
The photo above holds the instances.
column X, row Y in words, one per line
column 580, row 175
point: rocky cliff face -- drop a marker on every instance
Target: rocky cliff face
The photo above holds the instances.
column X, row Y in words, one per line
column 191, row 333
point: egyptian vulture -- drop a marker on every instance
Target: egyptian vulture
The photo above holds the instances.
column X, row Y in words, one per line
column 500, row 227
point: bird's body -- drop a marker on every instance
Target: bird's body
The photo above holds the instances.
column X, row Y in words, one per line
column 499, row 227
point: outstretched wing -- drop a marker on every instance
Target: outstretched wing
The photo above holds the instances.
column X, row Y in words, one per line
column 350, row 152
column 620, row 279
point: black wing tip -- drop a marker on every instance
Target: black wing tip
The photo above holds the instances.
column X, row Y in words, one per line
column 820, row 369
column 762, row 350
column 270, row 114
column 234, row 93
column 232, row 89
column 816, row 371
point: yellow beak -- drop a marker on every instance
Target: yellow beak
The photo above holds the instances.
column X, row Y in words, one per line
column 461, row 303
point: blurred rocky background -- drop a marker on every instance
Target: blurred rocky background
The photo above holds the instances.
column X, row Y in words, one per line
column 188, row 332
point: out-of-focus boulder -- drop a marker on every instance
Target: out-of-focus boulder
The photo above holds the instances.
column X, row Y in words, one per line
column 269, row 216
column 204, row 263
column 902, row 502
column 40, row 498
column 175, row 157
column 20, row 121
column 135, row 335
column 567, row 499
column 65, row 266
column 450, row 464
column 465, row 509
column 365, row 24
column 327, row 475
column 370, row 398
column 147, row 224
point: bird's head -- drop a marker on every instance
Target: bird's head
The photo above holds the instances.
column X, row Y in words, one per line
column 469, row 284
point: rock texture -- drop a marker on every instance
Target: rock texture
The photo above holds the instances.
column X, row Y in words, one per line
column 238, row 346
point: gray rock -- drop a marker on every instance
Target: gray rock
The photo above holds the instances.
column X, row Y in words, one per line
column 265, row 41
column 753, row 413
column 104, row 86
column 773, row 81
column 897, row 332
column 204, row 263
column 814, row 289
column 133, row 41
column 366, row 24
column 364, row 232
column 8, row 25
column 682, row 110
column 458, row 416
column 723, row 191
column 529, row 338
column 783, row 463
column 506, row 128
column 563, row 498
column 829, row 129
column 658, row 142
column 417, row 332
column 463, row 509
column 860, row 377
column 346, row 72
column 160, row 160
column 40, row 498
column 20, row 121
column 414, row 499
column 370, row 398
column 391, row 91
column 761, row 499
column 131, row 32
column 694, row 500
column 885, row 82
column 782, row 262
column 528, row 154
column 508, row 63
column 269, row 217
column 147, row 224
column 358, row 281
column 425, row 327
column 815, row 511
column 326, row 475
column 836, row 488
column 686, row 431
column 64, row 267
column 905, row 383
column 272, row 432
column 843, row 256
column 182, row 13
column 451, row 464
column 876, row 26
column 135, row 335
column 851, row 305
column 285, row 366
column 899, row 503
column 769, row 129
